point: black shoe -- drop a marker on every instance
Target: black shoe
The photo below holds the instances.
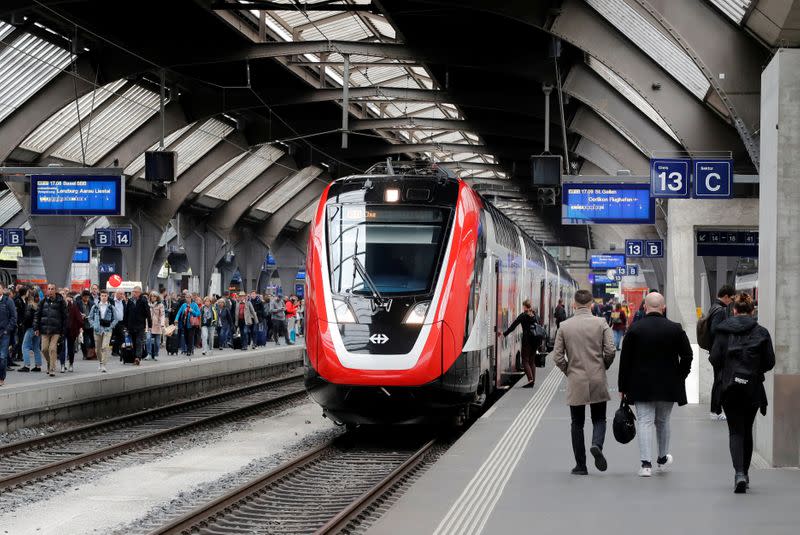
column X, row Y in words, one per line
column 24, row 369
column 37, row 369
column 599, row 458
column 746, row 476
column 580, row 471
column 528, row 385
column 740, row 484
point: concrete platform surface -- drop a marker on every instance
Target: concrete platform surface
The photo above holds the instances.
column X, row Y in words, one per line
column 26, row 392
column 510, row 474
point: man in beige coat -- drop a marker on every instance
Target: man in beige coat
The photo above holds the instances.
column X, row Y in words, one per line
column 584, row 350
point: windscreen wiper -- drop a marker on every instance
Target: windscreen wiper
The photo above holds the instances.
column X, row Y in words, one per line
column 376, row 294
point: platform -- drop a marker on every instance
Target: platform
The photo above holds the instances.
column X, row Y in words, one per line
column 31, row 398
column 510, row 474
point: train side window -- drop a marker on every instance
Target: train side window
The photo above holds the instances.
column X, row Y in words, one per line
column 476, row 278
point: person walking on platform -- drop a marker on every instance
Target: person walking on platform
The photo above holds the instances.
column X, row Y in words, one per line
column 530, row 342
column 560, row 313
column 121, row 315
column 31, row 342
column 85, row 304
column 619, row 323
column 158, row 319
column 741, row 355
column 188, row 319
column 584, row 350
column 50, row 323
column 74, row 326
column 20, row 302
column 655, row 361
column 138, row 322
column 209, row 322
column 8, row 324
column 277, row 310
column 225, row 322
column 721, row 309
column 103, row 319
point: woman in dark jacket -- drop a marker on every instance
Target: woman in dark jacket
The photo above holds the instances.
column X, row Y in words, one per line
column 74, row 326
column 530, row 343
column 741, row 355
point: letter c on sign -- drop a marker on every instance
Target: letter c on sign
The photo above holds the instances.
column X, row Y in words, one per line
column 716, row 178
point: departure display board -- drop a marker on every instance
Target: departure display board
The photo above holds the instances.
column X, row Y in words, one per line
column 606, row 261
column 77, row 195
column 583, row 204
column 82, row 255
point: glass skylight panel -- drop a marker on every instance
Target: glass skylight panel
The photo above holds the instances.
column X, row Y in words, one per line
column 199, row 142
column 287, row 189
column 654, row 43
column 26, row 65
column 630, row 93
column 349, row 28
column 66, row 118
column 136, row 167
column 246, row 172
column 111, row 126
column 9, row 206
column 5, row 29
column 733, row 9
column 207, row 181
column 97, row 222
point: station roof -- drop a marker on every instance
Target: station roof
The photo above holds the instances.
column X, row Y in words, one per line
column 254, row 91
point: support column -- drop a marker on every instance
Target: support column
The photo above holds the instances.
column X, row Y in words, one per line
column 290, row 258
column 778, row 435
column 146, row 235
column 684, row 269
column 204, row 248
column 250, row 254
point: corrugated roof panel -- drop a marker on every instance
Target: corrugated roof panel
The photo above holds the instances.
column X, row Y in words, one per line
column 66, row 118
column 9, row 206
column 733, row 9
column 97, row 222
column 200, row 142
column 654, row 43
column 350, row 28
column 136, row 167
column 246, row 172
column 5, row 29
column 287, row 189
column 307, row 213
column 26, row 65
column 631, row 94
column 207, row 181
column 111, row 126
column 384, row 27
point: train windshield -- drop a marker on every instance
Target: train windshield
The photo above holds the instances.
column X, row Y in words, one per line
column 392, row 249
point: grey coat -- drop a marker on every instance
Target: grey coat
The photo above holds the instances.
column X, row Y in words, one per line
column 584, row 350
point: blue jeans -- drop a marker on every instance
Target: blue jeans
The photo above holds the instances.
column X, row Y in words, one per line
column 224, row 335
column 618, row 338
column 4, row 339
column 31, row 342
column 244, row 329
column 155, row 344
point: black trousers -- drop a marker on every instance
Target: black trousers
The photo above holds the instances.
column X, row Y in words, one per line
column 578, row 414
column 740, row 412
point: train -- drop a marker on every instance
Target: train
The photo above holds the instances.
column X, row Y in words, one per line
column 412, row 276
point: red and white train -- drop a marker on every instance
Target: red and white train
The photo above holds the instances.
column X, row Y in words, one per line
column 411, row 277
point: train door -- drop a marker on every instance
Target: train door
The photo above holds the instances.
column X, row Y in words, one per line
column 493, row 319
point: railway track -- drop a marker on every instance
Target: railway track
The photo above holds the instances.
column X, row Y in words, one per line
column 28, row 461
column 320, row 492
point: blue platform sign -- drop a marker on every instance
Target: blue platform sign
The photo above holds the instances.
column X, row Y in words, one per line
column 77, row 195
column 654, row 248
column 670, row 178
column 15, row 237
column 107, row 269
column 123, row 237
column 633, row 270
column 713, row 179
column 2, row 237
column 103, row 237
column 634, row 248
column 82, row 255
column 622, row 270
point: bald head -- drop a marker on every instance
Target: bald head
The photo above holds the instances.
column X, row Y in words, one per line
column 654, row 302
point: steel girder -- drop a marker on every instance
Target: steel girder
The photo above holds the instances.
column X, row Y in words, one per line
column 590, row 125
column 775, row 22
column 696, row 125
column 593, row 91
column 598, row 157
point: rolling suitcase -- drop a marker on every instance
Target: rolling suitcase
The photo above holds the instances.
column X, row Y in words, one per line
column 237, row 340
column 126, row 352
column 261, row 336
column 173, row 344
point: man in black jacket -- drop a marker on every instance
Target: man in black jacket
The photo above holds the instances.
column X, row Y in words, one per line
column 656, row 359
column 50, row 323
column 138, row 320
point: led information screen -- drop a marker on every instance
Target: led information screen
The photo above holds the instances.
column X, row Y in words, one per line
column 76, row 195
column 607, row 203
column 606, row 261
column 82, row 255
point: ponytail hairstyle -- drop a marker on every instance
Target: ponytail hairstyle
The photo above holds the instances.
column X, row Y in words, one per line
column 743, row 304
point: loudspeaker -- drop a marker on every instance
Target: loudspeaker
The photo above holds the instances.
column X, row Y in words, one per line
column 160, row 166
column 546, row 170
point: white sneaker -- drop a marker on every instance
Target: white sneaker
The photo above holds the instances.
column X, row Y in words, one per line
column 63, row 369
column 103, row 368
column 71, row 369
column 663, row 467
column 645, row 471
column 100, row 368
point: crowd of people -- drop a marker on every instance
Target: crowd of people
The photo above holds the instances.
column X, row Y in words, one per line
column 47, row 326
column 655, row 360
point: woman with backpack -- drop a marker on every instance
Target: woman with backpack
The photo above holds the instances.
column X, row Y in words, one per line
column 619, row 324
column 741, row 355
column 530, row 340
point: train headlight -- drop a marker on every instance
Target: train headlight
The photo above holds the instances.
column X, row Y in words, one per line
column 417, row 314
column 343, row 312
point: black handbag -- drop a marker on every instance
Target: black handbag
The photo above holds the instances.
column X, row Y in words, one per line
column 539, row 359
column 624, row 423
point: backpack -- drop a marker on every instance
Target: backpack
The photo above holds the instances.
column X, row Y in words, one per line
column 616, row 318
column 704, row 337
column 742, row 363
